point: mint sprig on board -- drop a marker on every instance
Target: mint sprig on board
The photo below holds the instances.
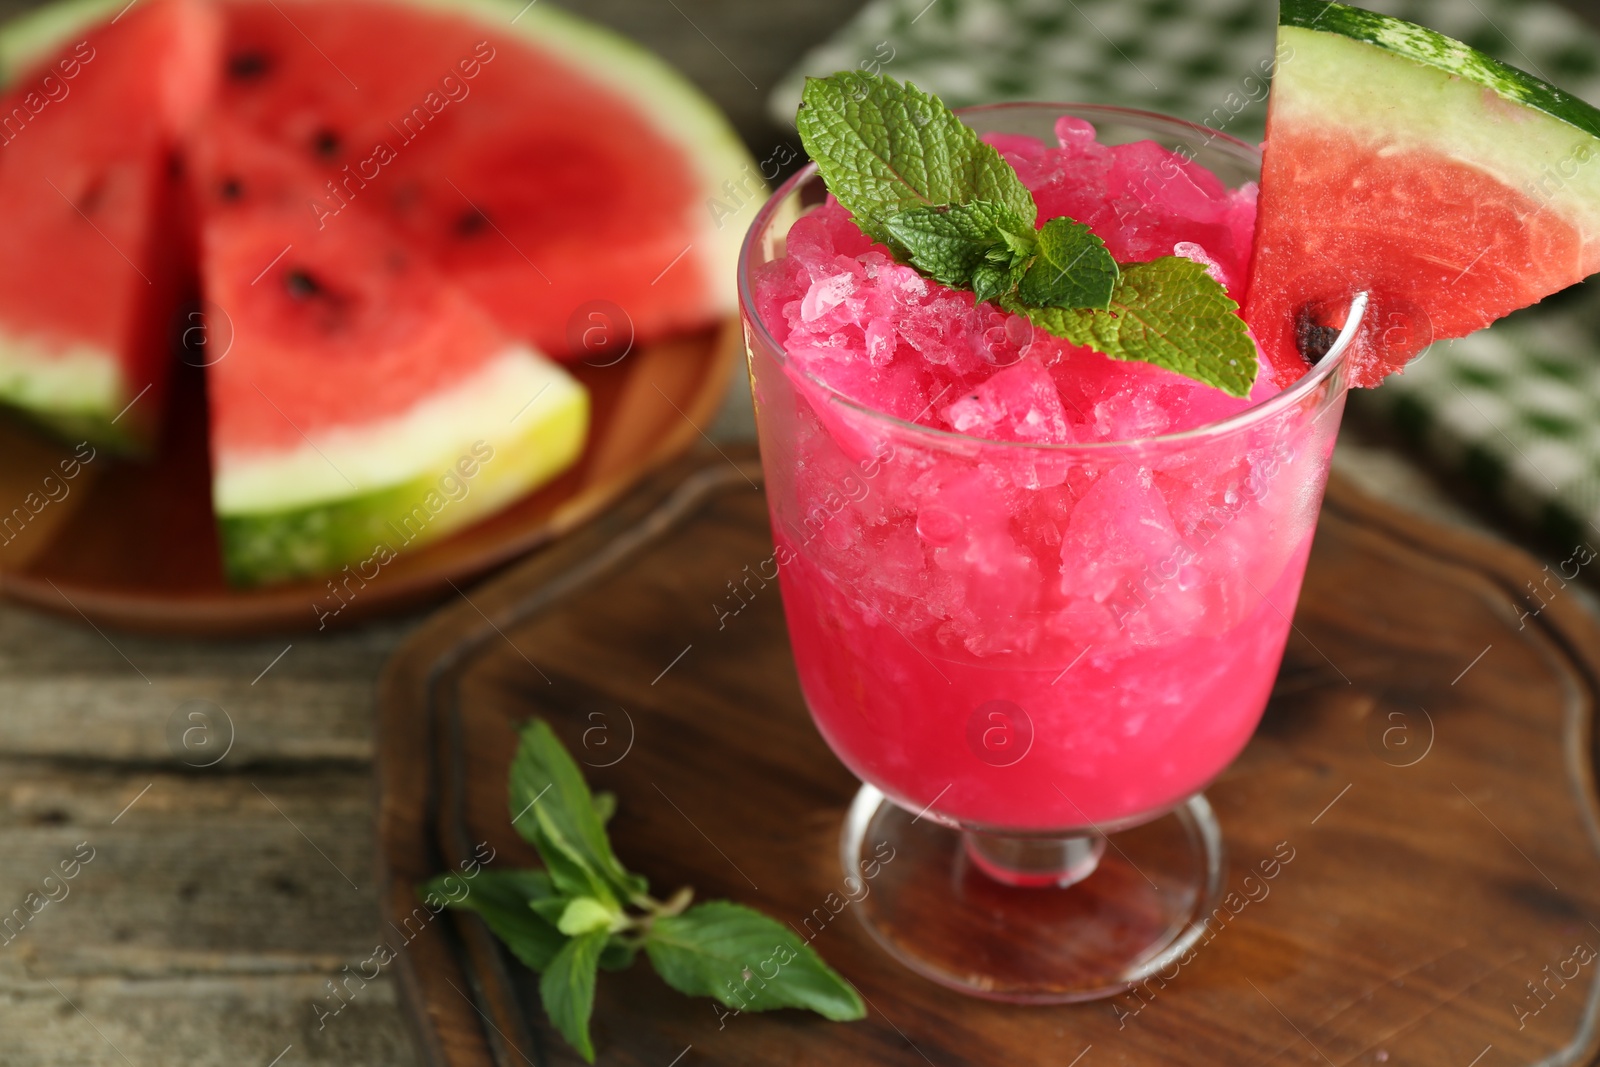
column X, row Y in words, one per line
column 585, row 912
column 918, row 180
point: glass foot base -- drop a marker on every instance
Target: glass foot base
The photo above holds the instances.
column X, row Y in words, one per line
column 1033, row 920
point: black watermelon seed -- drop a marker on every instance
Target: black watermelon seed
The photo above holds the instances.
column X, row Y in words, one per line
column 301, row 285
column 471, row 222
column 1313, row 341
column 231, row 189
column 326, row 144
column 248, row 66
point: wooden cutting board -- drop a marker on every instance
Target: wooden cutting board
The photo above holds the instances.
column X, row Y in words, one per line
column 1426, row 765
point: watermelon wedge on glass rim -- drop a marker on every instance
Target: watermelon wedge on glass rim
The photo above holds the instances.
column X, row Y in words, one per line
column 1450, row 187
column 362, row 402
column 89, row 191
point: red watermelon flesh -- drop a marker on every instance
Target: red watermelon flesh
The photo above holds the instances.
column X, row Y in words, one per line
column 335, row 327
column 530, row 183
column 1431, row 275
column 1449, row 187
column 89, row 181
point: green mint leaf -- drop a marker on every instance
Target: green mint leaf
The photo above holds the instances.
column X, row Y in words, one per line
column 550, row 907
column 618, row 956
column 1169, row 312
column 990, row 281
column 1073, row 269
column 501, row 899
column 605, row 806
column 747, row 961
column 585, row 915
column 950, row 241
column 567, row 989
column 571, row 876
column 554, row 810
column 883, row 148
column 1021, row 242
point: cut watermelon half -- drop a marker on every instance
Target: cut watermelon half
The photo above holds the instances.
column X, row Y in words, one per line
column 88, row 202
column 405, row 202
column 360, row 402
column 541, row 162
column 1452, row 188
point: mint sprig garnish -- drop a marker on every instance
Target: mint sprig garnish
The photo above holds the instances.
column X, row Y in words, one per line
column 918, row 180
column 585, row 912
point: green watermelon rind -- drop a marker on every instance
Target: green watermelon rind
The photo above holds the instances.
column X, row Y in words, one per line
column 1422, row 45
column 85, row 400
column 94, row 427
column 356, row 532
column 36, row 34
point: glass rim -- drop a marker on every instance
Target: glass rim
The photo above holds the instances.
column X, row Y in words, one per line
column 1288, row 397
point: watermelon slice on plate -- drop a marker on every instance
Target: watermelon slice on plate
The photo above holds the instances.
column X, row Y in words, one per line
column 405, row 202
column 542, row 163
column 1452, row 188
column 363, row 403
column 95, row 265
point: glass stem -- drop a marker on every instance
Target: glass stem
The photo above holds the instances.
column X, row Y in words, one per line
column 1035, row 862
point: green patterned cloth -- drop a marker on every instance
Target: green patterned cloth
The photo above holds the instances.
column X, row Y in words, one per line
column 1515, row 408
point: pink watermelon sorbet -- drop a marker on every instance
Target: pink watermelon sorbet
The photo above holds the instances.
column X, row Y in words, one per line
column 881, row 334
column 1024, row 550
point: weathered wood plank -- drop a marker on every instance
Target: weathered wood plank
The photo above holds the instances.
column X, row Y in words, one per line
column 204, row 925
column 189, row 874
column 69, row 692
column 80, row 718
column 233, row 1021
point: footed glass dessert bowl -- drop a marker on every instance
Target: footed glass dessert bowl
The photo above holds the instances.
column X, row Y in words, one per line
column 1037, row 597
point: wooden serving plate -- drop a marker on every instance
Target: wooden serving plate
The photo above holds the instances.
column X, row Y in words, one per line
column 133, row 545
column 1426, row 766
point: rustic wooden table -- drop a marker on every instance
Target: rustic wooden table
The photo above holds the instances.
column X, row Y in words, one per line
column 211, row 904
